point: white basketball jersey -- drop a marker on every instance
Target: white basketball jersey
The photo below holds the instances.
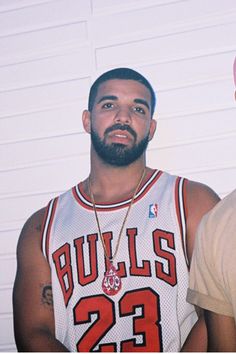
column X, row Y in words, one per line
column 150, row 312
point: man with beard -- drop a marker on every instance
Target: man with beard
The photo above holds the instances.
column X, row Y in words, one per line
column 116, row 247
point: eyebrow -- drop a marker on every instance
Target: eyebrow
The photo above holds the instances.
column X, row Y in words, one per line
column 115, row 98
column 141, row 101
column 108, row 97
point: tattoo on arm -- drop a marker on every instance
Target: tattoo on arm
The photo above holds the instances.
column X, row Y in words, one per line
column 46, row 296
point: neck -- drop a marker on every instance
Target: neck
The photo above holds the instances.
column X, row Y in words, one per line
column 110, row 183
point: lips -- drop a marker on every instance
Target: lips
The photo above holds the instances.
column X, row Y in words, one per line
column 120, row 137
column 121, row 131
column 120, row 134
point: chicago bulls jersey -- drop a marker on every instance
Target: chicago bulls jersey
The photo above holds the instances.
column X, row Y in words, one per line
column 150, row 312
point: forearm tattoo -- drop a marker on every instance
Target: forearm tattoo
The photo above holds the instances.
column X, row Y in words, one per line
column 46, row 295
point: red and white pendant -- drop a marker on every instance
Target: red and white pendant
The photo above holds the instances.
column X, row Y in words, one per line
column 111, row 283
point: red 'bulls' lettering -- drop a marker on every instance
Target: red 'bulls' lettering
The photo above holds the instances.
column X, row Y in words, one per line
column 163, row 247
column 92, row 259
column 107, row 236
column 145, row 269
column 170, row 276
column 62, row 260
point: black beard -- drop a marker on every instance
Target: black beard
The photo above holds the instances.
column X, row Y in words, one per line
column 118, row 154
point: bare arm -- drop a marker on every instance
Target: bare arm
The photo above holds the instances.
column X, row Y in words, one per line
column 197, row 339
column 221, row 332
column 200, row 199
column 32, row 297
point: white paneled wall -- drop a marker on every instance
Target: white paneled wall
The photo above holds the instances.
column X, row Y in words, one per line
column 51, row 51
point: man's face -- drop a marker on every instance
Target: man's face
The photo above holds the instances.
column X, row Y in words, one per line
column 121, row 123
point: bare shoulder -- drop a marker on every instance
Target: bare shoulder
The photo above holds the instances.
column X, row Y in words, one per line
column 31, row 231
column 200, row 198
column 35, row 221
column 202, row 194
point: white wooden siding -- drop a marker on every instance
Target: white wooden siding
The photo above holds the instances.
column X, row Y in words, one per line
column 51, row 51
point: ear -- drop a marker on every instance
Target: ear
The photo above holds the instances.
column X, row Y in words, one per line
column 152, row 129
column 86, row 118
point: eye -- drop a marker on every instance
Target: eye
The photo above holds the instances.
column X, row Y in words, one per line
column 108, row 105
column 139, row 109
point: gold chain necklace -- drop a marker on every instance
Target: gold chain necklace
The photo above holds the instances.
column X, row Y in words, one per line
column 112, row 282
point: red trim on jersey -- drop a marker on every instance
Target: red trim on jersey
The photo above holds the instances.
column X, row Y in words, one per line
column 49, row 216
column 83, row 200
column 181, row 215
column 178, row 206
column 44, row 225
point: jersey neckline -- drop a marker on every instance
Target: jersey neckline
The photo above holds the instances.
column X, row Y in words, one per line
column 86, row 202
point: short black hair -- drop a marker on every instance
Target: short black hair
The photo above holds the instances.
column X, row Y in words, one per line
column 122, row 74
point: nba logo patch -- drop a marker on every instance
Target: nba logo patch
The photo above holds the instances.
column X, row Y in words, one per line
column 153, row 208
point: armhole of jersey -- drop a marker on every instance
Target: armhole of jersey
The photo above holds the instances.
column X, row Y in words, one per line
column 180, row 203
column 47, row 224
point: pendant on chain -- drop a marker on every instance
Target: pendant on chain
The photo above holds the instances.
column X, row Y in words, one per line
column 111, row 283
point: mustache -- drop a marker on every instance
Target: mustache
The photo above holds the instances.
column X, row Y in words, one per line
column 119, row 126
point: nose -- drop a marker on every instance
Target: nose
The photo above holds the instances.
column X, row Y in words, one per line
column 123, row 115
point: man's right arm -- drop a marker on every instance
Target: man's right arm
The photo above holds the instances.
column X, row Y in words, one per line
column 34, row 325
